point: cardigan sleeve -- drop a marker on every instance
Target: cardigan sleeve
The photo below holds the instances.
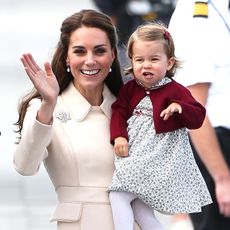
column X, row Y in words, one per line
column 35, row 137
column 120, row 111
column 193, row 113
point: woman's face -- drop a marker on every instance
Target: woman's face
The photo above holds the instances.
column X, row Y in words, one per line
column 150, row 62
column 89, row 57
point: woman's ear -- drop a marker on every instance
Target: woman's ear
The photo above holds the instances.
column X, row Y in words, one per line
column 113, row 54
column 67, row 61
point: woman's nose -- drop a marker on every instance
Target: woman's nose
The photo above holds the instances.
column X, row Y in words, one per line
column 90, row 60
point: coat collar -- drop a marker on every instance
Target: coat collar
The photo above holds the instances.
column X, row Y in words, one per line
column 77, row 106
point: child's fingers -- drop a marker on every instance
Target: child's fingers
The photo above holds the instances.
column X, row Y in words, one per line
column 121, row 150
column 118, row 150
column 180, row 110
column 163, row 113
column 166, row 116
column 125, row 151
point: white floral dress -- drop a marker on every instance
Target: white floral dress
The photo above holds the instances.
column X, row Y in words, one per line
column 160, row 168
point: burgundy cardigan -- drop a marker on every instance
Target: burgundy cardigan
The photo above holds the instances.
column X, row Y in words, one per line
column 192, row 116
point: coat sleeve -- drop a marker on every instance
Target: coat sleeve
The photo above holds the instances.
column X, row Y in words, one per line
column 35, row 137
column 193, row 113
column 120, row 111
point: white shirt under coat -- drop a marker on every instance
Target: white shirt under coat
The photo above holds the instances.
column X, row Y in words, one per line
column 203, row 44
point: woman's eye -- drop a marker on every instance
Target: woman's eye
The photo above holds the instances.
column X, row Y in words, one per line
column 79, row 51
column 100, row 51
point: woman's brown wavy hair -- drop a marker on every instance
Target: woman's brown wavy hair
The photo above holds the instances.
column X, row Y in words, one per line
column 87, row 18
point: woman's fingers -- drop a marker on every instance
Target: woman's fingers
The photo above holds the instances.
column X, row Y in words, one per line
column 27, row 68
column 34, row 64
column 30, row 64
column 48, row 70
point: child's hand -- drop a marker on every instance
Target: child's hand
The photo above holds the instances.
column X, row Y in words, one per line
column 170, row 110
column 121, row 146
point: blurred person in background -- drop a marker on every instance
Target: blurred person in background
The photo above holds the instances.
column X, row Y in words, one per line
column 128, row 14
column 201, row 31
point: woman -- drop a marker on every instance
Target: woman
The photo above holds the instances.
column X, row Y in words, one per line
column 64, row 122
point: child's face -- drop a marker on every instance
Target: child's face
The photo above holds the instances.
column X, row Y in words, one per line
column 150, row 62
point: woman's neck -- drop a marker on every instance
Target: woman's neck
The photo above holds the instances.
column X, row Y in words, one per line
column 92, row 95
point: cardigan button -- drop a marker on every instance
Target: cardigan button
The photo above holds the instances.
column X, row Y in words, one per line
column 147, row 92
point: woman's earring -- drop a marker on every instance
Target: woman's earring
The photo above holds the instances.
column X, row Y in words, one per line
column 110, row 69
column 68, row 69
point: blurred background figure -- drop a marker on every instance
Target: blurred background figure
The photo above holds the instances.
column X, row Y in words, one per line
column 201, row 31
column 128, row 14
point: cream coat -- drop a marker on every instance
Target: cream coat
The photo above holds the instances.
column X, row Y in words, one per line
column 78, row 156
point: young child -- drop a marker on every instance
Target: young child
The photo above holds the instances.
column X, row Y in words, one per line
column 154, row 167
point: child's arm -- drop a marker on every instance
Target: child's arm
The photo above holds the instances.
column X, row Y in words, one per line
column 170, row 110
column 121, row 146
